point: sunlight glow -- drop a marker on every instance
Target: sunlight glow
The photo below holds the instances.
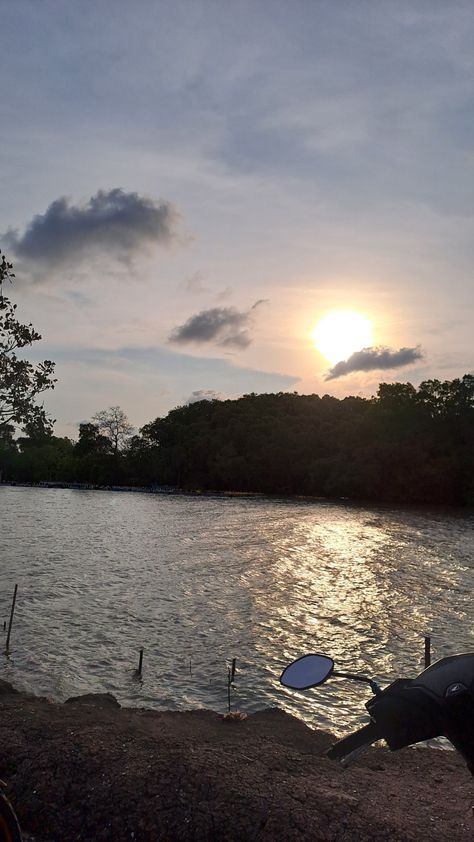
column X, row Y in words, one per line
column 340, row 333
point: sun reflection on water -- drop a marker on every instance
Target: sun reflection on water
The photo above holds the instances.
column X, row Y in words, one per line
column 199, row 581
column 337, row 589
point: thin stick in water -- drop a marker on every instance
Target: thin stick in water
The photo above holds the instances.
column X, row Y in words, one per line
column 230, row 679
column 427, row 651
column 7, row 645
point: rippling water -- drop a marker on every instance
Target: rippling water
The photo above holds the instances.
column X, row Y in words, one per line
column 197, row 581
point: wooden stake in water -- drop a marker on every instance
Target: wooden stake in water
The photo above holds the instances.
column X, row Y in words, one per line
column 427, row 651
column 7, row 645
column 230, row 679
column 140, row 662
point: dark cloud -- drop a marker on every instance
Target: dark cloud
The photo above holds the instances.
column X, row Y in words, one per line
column 371, row 359
column 225, row 326
column 204, row 395
column 118, row 222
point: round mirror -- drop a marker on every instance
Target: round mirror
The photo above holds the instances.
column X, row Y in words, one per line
column 307, row 671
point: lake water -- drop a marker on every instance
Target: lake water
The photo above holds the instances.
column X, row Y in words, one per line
column 198, row 581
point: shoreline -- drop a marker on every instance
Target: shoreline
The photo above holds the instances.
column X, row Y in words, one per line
column 138, row 489
column 173, row 491
column 89, row 770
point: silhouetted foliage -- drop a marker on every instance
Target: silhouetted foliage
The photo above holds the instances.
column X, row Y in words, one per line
column 20, row 381
column 404, row 445
column 92, row 441
column 44, row 459
column 114, row 425
column 8, row 451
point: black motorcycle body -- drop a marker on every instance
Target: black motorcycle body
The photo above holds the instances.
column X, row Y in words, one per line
column 438, row 703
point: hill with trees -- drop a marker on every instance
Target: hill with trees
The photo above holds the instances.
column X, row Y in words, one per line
column 405, row 445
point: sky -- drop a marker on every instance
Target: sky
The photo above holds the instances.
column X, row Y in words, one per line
column 189, row 188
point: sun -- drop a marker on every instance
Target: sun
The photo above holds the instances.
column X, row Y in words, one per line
column 340, row 333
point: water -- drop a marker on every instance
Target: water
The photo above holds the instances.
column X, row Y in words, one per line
column 197, row 581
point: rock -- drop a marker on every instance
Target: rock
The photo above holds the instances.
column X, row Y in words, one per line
column 6, row 688
column 103, row 700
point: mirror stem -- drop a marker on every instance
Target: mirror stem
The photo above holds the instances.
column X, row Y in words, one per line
column 376, row 690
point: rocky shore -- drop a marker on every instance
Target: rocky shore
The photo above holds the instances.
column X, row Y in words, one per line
column 90, row 771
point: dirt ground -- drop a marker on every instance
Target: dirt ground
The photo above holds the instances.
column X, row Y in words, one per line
column 89, row 771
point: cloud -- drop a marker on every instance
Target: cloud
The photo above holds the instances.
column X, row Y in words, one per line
column 225, row 326
column 371, row 359
column 204, row 395
column 114, row 221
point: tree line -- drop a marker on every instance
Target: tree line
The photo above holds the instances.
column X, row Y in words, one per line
column 406, row 444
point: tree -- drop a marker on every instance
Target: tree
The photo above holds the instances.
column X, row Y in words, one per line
column 20, row 381
column 44, row 459
column 37, row 432
column 114, row 424
column 91, row 440
column 8, row 449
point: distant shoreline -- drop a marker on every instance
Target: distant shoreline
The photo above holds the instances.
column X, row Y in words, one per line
column 174, row 491
column 141, row 489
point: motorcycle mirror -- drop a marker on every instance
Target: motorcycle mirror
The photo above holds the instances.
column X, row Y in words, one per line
column 307, row 671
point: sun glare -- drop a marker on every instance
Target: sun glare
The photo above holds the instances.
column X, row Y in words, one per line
column 340, row 333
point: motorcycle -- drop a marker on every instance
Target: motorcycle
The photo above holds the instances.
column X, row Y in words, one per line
column 438, row 703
